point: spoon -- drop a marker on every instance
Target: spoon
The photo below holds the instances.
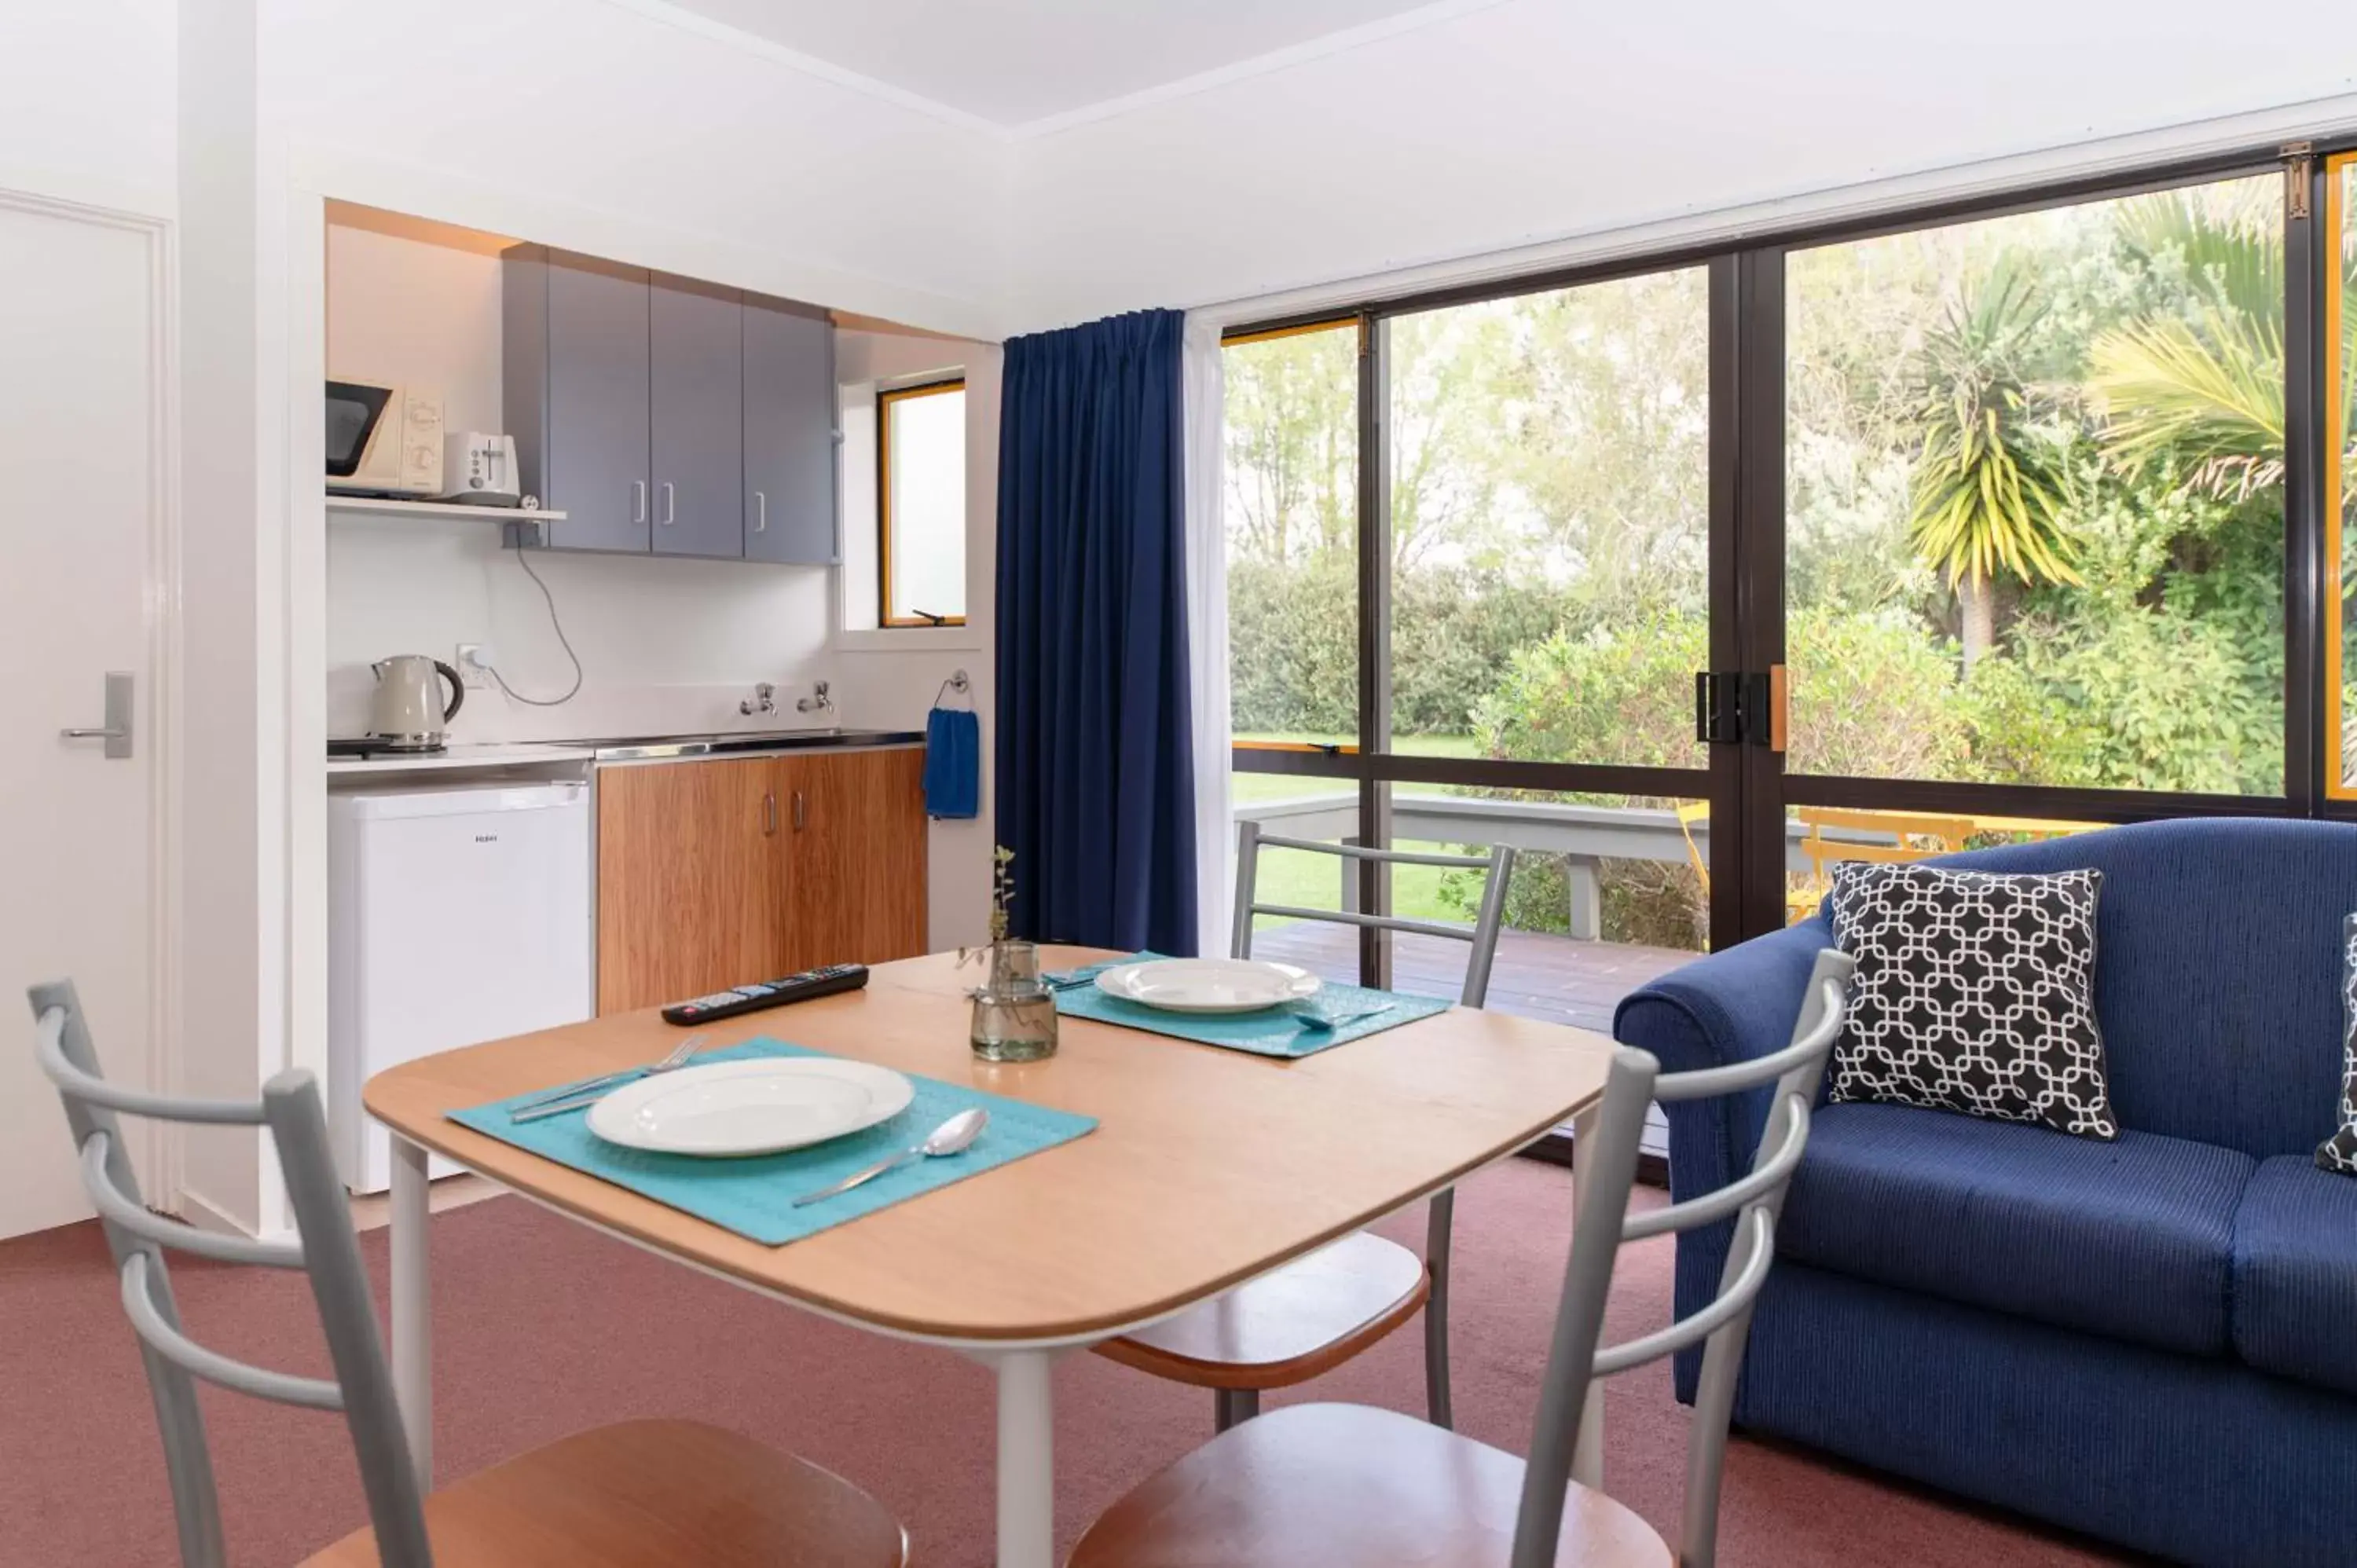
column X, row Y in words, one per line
column 952, row 1137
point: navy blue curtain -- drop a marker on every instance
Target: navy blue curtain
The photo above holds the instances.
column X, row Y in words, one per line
column 1095, row 781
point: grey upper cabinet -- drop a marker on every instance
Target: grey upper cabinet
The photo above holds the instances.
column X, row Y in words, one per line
column 791, row 436
column 697, row 334
column 575, row 370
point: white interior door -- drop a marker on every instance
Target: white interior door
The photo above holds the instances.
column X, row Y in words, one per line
column 78, row 504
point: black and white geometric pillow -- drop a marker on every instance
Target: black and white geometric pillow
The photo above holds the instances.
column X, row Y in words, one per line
column 2339, row 1152
column 1975, row 992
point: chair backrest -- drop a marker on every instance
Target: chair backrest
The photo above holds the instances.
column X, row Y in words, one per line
column 1938, row 835
column 328, row 1254
column 1482, row 934
column 1689, row 813
column 1603, row 1222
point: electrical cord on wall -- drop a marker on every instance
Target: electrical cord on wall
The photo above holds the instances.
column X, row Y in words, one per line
column 563, row 641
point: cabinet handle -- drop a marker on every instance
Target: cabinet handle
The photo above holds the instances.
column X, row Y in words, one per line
column 761, row 512
column 768, row 813
column 638, row 501
column 801, row 811
column 671, row 509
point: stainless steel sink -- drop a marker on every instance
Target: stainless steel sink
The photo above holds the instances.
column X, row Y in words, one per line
column 627, row 748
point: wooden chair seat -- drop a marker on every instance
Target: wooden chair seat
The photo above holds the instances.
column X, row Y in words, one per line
column 1289, row 1325
column 644, row 1493
column 1349, row 1484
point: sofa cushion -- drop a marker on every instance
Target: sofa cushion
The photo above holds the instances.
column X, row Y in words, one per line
column 2295, row 1274
column 1974, row 992
column 2133, row 1239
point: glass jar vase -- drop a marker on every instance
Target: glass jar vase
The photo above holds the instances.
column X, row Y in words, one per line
column 1014, row 1009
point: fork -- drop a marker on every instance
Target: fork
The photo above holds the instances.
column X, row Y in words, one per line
column 558, row 1099
column 1310, row 1020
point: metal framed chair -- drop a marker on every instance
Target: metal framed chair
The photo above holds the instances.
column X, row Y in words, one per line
column 1372, row 1488
column 1314, row 1313
column 628, row 1496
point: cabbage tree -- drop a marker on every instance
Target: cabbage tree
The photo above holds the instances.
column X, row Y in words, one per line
column 1987, row 493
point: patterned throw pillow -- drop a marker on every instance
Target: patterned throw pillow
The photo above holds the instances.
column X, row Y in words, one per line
column 1975, row 992
column 2339, row 1152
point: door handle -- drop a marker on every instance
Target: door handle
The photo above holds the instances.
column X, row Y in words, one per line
column 670, row 506
column 801, row 811
column 761, row 511
column 768, row 813
column 638, row 501
column 116, row 731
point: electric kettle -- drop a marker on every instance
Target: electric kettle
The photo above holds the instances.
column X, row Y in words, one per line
column 406, row 711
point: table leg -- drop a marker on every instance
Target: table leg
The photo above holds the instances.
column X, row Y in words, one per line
column 1588, row 1451
column 413, row 1337
column 1026, row 1473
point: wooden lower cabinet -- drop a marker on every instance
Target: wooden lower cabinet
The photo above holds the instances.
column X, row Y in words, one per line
column 715, row 873
column 855, row 888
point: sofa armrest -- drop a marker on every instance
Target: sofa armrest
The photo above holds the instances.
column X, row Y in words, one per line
column 1736, row 1006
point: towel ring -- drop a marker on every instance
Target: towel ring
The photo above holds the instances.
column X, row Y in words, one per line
column 957, row 683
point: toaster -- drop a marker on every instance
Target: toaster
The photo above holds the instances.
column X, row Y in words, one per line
column 480, row 471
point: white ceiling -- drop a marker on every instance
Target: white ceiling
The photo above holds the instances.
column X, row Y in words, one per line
column 1014, row 63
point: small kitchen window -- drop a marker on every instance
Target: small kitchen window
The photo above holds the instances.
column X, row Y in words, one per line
column 920, row 504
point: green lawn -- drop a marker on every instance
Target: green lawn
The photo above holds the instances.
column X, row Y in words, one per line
column 1314, row 881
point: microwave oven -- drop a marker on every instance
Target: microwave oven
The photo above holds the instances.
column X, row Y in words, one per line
column 383, row 440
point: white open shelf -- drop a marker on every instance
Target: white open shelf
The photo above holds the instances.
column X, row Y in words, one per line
column 382, row 505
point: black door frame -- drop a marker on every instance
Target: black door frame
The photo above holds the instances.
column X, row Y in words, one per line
column 1746, row 782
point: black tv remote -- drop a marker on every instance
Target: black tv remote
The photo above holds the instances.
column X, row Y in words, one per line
column 777, row 992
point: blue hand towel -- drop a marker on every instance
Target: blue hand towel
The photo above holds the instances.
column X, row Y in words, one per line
column 952, row 763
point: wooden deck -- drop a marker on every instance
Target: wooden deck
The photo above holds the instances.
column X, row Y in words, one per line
column 1534, row 976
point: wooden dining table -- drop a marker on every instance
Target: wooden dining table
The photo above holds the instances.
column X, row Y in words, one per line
column 1207, row 1168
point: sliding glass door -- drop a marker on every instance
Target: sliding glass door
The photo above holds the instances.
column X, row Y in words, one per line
column 1692, row 579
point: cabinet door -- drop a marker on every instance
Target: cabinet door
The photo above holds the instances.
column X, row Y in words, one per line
column 690, row 857
column 790, row 437
column 855, row 876
column 593, row 452
column 697, row 337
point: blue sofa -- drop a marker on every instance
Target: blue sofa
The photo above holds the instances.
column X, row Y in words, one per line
column 2153, row 1340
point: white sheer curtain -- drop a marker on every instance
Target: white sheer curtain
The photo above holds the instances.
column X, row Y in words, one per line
column 1207, row 632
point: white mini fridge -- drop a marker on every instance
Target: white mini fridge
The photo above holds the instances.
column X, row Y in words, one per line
column 456, row 914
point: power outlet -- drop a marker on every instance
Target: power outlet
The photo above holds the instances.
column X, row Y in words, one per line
column 475, row 666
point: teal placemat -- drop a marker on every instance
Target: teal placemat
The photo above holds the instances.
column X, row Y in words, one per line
column 1278, row 1032
column 754, row 1197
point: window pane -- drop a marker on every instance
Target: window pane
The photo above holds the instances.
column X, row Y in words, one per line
column 1292, row 437
column 2034, row 512
column 1550, row 524
column 924, row 501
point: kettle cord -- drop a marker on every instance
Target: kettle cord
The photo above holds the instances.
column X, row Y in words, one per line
column 563, row 641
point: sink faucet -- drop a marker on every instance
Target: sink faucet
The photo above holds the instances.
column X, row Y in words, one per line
column 764, row 700
column 819, row 703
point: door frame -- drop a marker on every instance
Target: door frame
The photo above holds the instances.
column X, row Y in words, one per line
column 154, row 1145
column 1745, row 780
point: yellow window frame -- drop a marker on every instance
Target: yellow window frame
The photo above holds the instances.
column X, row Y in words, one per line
column 885, row 399
column 2336, row 427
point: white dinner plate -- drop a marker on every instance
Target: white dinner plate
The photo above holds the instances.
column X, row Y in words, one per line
column 1208, row 984
column 758, row 1106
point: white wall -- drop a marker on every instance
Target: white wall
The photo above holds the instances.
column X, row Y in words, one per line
column 1525, row 122
column 232, row 811
column 88, row 95
column 606, row 128
column 895, row 675
column 665, row 645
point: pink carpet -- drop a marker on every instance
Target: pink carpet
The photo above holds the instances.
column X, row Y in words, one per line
column 542, row 1329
